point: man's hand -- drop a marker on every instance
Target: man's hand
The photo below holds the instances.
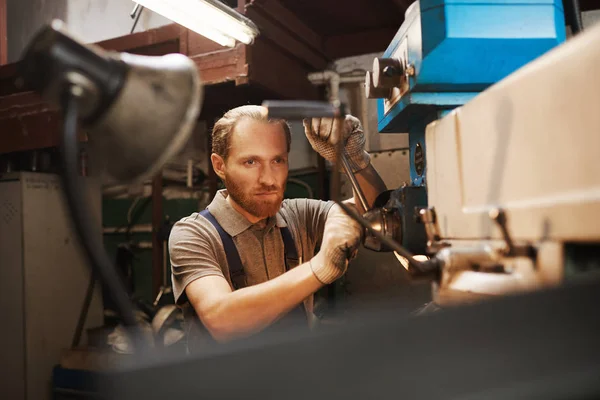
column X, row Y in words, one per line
column 325, row 133
column 341, row 239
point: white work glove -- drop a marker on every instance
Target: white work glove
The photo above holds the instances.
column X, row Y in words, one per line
column 341, row 239
column 325, row 133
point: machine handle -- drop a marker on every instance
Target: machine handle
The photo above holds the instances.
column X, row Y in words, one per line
column 296, row 110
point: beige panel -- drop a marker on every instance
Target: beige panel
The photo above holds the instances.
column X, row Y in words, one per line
column 56, row 277
column 392, row 166
column 529, row 144
column 12, row 359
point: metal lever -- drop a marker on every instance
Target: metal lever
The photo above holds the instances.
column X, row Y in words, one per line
column 354, row 182
column 134, row 12
column 498, row 215
column 298, row 109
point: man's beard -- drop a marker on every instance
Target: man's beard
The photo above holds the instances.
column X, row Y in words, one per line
column 260, row 208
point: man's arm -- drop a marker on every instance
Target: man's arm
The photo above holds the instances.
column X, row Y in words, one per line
column 371, row 184
column 323, row 135
column 231, row 314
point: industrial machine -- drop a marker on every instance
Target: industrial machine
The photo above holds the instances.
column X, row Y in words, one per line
column 446, row 52
column 506, row 184
column 509, row 188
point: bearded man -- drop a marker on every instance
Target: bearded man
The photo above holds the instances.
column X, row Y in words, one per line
column 247, row 263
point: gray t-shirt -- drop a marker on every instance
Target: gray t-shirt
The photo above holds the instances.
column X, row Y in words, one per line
column 196, row 249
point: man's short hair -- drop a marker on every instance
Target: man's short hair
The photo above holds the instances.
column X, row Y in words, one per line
column 223, row 129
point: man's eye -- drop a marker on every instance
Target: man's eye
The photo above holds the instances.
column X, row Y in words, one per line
column 250, row 162
column 279, row 161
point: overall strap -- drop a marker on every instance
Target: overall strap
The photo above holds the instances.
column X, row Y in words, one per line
column 289, row 247
column 236, row 269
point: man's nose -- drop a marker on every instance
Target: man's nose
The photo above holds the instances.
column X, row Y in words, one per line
column 267, row 176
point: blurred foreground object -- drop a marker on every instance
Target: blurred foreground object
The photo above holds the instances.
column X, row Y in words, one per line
column 139, row 111
column 514, row 178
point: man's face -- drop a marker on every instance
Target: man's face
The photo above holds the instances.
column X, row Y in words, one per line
column 256, row 169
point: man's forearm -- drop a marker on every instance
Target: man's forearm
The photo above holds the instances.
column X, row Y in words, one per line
column 251, row 309
column 371, row 184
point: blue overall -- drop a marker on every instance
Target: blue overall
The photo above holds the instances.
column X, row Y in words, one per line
column 238, row 276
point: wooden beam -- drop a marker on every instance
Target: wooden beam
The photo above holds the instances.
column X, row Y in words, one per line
column 222, row 66
column 279, row 73
column 275, row 10
column 34, row 131
column 164, row 40
column 241, row 6
column 25, row 119
column 151, row 37
column 359, row 43
column 279, row 15
column 198, row 45
column 286, row 40
column 3, row 29
column 9, row 79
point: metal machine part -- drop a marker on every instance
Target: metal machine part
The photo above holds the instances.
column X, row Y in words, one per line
column 388, row 72
column 446, row 52
column 540, row 345
column 445, row 48
column 395, row 215
column 385, row 217
column 504, row 183
column 115, row 92
column 373, row 92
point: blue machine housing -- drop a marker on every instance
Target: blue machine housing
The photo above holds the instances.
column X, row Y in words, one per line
column 459, row 48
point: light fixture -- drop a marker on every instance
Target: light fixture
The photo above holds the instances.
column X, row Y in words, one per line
column 210, row 18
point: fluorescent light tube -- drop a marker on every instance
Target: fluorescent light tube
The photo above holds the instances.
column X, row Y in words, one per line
column 209, row 18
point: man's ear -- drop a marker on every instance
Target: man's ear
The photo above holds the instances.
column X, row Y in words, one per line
column 218, row 165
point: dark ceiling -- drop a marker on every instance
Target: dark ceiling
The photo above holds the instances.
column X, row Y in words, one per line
column 350, row 27
column 335, row 17
column 343, row 17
